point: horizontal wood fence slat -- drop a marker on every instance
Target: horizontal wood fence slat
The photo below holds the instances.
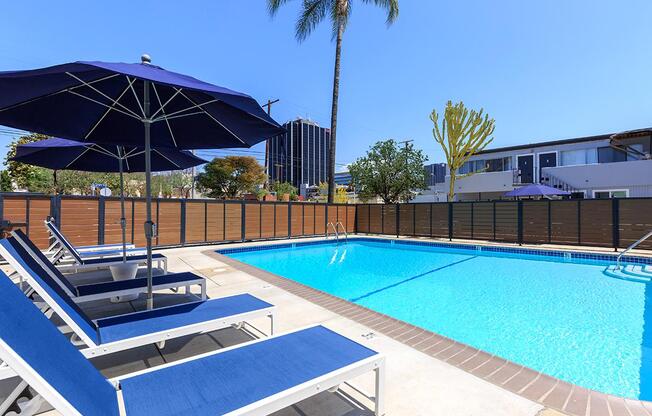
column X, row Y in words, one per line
column 94, row 220
column 592, row 222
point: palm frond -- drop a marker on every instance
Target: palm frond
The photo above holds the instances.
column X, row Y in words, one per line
column 274, row 5
column 312, row 13
column 391, row 6
column 340, row 11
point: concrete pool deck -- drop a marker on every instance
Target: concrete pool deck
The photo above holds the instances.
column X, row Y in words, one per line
column 426, row 373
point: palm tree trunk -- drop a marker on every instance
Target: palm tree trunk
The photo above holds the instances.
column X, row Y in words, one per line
column 336, row 95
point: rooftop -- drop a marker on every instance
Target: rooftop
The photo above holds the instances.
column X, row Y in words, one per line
column 630, row 133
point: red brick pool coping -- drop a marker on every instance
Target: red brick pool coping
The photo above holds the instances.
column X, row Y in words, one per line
column 531, row 384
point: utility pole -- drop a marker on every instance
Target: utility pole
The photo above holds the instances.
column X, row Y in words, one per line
column 269, row 113
column 278, row 171
column 407, row 147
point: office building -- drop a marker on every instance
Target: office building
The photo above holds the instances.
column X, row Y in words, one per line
column 300, row 156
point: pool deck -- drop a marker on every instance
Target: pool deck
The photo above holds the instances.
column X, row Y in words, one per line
column 427, row 374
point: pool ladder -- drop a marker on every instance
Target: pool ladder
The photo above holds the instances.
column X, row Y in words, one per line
column 336, row 227
column 639, row 241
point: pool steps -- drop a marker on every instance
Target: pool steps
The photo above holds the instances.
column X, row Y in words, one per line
column 631, row 272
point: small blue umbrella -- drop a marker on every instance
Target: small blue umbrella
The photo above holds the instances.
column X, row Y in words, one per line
column 133, row 105
column 64, row 154
column 536, row 189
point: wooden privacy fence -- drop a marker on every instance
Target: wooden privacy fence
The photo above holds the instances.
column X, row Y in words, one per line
column 592, row 222
column 93, row 220
column 96, row 220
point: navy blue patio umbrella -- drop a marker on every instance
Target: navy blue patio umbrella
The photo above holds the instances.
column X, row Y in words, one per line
column 63, row 154
column 536, row 189
column 133, row 105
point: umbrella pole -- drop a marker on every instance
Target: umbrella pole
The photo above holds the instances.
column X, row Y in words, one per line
column 123, row 220
column 149, row 225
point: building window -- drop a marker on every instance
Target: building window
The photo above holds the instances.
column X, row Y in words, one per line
column 573, row 157
column 612, row 193
column 608, row 154
column 494, row 165
column 578, row 157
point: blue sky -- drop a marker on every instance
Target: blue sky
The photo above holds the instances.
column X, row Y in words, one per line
column 543, row 69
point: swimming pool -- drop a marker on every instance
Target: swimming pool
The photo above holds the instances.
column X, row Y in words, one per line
column 559, row 315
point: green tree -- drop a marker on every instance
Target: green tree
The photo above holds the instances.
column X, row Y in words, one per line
column 390, row 172
column 5, row 182
column 231, row 176
column 463, row 133
column 181, row 184
column 314, row 12
column 340, row 194
column 32, row 178
column 282, row 188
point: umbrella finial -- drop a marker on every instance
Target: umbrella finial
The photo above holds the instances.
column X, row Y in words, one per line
column 145, row 59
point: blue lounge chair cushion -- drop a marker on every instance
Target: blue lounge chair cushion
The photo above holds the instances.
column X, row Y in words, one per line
column 58, row 294
column 227, row 381
column 140, row 283
column 156, row 256
column 26, row 331
column 162, row 319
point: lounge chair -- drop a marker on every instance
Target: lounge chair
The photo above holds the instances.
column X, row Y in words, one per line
column 117, row 333
column 100, row 250
column 32, row 265
column 80, row 262
column 255, row 378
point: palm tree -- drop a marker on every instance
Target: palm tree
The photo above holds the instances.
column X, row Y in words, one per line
column 314, row 12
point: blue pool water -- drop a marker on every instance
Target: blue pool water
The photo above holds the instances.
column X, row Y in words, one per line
column 566, row 319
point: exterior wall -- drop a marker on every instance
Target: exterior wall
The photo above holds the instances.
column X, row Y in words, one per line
column 633, row 175
column 484, row 182
column 610, row 175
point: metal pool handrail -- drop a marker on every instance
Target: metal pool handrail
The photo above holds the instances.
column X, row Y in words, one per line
column 337, row 237
column 639, row 241
column 346, row 235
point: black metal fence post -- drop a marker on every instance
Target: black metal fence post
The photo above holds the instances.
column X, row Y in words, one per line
column 158, row 211
column 260, row 220
column 27, row 227
column 519, row 220
column 398, row 220
column 205, row 221
column 182, row 228
column 243, row 220
column 549, row 221
column 615, row 221
column 450, row 221
column 133, row 219
column 100, row 220
column 494, row 221
column 472, row 220
column 414, row 219
column 579, row 221
column 224, row 221
column 290, row 218
column 274, row 203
